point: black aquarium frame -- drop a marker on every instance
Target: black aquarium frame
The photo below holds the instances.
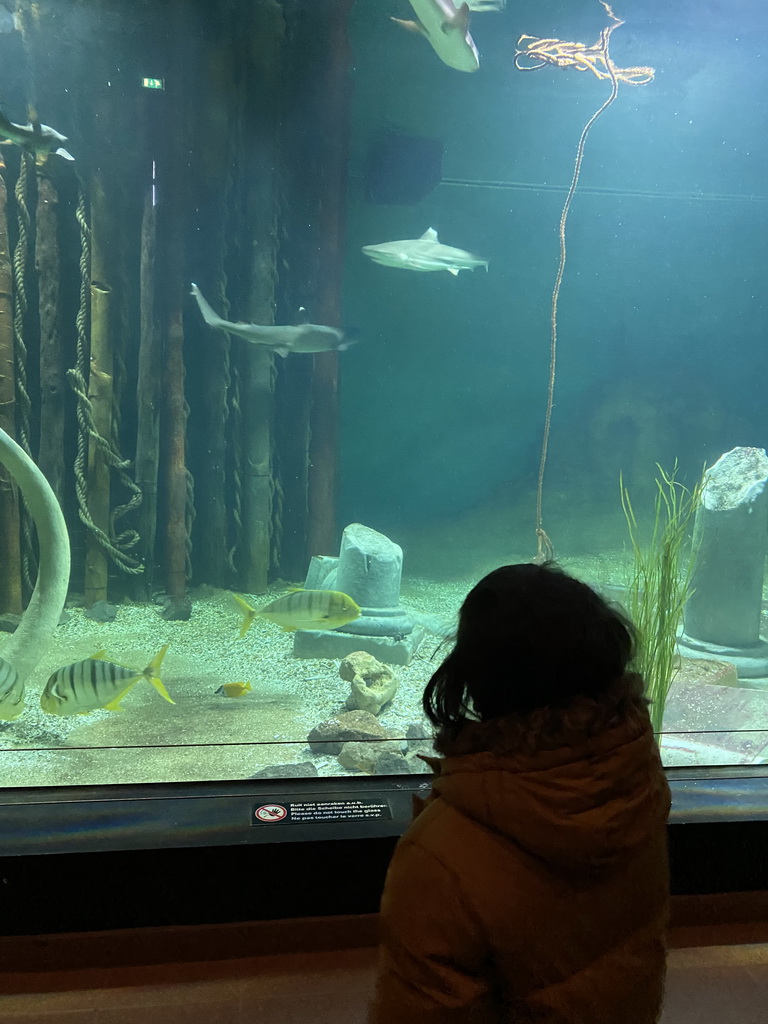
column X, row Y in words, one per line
column 89, row 819
column 186, row 855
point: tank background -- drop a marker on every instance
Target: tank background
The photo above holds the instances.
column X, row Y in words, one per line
column 448, row 385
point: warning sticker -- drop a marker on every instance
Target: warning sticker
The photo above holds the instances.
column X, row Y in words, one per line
column 308, row 811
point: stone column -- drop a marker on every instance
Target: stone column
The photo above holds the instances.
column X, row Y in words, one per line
column 722, row 615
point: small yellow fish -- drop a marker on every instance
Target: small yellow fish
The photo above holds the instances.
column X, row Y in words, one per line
column 303, row 609
column 94, row 683
column 234, row 689
column 11, row 692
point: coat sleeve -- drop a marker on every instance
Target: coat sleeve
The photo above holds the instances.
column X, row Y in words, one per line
column 433, row 959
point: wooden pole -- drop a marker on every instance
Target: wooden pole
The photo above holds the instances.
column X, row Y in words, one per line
column 10, row 552
column 148, row 395
column 175, row 422
column 53, row 388
column 258, row 381
column 99, row 392
column 333, row 110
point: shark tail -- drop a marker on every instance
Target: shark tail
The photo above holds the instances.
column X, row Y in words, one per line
column 210, row 317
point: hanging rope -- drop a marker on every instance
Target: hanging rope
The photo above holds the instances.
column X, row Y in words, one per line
column 596, row 59
column 117, row 546
column 23, row 403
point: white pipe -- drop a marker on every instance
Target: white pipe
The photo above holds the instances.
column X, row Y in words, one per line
column 33, row 634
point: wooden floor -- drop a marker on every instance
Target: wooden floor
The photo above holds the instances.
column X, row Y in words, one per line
column 707, row 985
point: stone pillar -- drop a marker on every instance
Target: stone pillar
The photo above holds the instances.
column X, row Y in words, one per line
column 722, row 615
column 368, row 569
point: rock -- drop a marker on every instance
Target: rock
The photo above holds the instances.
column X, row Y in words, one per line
column 372, row 684
column 391, row 763
column 417, row 735
column 101, row 611
column 349, row 727
column 177, row 609
column 303, row 770
column 365, row 757
column 64, row 617
column 9, row 622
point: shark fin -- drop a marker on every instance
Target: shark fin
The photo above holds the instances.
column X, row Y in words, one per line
column 281, row 350
column 452, row 270
column 430, row 235
column 410, row 26
column 63, row 153
column 459, row 20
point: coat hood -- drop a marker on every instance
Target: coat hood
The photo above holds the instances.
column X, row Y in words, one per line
column 578, row 788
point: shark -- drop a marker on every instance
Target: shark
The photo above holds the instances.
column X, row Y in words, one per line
column 446, row 28
column 38, row 139
column 282, row 340
column 424, row 254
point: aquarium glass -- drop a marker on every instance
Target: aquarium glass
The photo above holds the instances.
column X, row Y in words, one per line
column 314, row 312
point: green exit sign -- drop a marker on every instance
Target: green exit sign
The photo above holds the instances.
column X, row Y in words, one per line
column 153, row 83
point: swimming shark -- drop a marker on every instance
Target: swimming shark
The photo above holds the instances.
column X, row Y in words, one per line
column 446, row 28
column 38, row 139
column 281, row 340
column 423, row 254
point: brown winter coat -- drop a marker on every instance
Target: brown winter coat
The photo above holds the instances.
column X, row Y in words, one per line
column 533, row 885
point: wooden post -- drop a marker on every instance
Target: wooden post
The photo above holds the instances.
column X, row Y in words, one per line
column 333, row 109
column 53, row 387
column 10, row 552
column 148, row 395
column 175, row 422
column 258, row 380
column 99, row 392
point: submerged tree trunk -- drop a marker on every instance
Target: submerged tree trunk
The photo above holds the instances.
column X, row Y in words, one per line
column 333, row 113
column 148, row 395
column 10, row 551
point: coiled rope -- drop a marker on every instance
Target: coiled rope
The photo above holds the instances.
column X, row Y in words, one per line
column 117, row 546
column 20, row 305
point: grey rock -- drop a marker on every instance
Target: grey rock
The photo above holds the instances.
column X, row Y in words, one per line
column 303, row 770
column 177, row 609
column 101, row 611
column 64, row 617
column 390, row 763
column 9, row 622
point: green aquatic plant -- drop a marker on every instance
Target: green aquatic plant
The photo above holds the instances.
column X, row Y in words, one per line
column 661, row 583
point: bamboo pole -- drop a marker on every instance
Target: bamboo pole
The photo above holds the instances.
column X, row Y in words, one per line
column 10, row 551
column 99, row 393
column 148, row 394
column 52, row 379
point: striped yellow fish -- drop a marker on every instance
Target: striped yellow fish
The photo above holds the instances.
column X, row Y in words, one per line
column 303, row 609
column 11, row 692
column 94, row 683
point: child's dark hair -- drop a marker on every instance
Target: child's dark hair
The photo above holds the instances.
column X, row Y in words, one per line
column 529, row 636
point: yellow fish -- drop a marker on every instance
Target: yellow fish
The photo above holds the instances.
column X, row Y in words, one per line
column 94, row 683
column 11, row 692
column 234, row 689
column 303, row 609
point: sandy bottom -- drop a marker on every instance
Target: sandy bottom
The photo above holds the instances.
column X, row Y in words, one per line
column 208, row 737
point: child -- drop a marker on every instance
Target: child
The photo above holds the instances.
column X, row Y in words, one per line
column 533, row 885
